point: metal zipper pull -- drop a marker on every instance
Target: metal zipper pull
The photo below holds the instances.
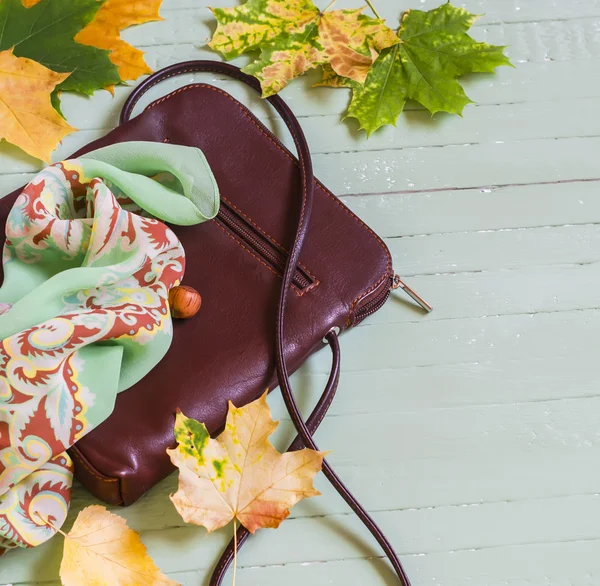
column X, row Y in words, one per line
column 398, row 283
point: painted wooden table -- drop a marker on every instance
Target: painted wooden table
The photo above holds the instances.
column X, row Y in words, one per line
column 471, row 434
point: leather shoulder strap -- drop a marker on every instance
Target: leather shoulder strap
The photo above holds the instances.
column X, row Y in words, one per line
column 305, row 429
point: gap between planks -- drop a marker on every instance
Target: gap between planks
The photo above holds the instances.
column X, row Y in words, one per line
column 196, row 577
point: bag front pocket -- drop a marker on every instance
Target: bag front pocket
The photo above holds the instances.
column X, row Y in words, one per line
column 269, row 251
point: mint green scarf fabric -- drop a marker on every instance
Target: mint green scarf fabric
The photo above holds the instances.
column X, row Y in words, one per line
column 84, row 309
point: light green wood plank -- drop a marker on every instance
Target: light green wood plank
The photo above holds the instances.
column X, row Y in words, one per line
column 558, row 335
column 497, row 249
column 490, row 293
column 483, row 208
column 427, row 168
column 498, row 381
column 483, row 124
column 340, row 536
column 531, row 564
column 412, row 169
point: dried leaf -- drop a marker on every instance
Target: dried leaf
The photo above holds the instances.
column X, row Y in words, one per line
column 100, row 550
column 293, row 36
column 434, row 50
column 104, row 32
column 27, row 118
column 240, row 474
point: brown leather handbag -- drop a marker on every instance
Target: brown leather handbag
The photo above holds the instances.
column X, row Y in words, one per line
column 282, row 270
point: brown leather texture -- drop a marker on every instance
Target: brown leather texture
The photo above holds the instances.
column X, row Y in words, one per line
column 226, row 352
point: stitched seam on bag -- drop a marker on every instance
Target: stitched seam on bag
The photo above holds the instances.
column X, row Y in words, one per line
column 277, row 144
column 269, row 237
column 77, row 456
column 175, row 74
column 261, row 261
column 221, row 565
column 322, row 416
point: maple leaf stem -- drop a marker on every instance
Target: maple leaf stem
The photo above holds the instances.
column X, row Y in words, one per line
column 330, row 5
column 234, row 549
column 373, row 8
column 47, row 522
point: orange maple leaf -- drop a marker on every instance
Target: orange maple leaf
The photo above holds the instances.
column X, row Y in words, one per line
column 104, row 32
column 27, row 118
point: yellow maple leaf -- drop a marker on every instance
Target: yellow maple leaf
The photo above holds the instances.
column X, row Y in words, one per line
column 100, row 550
column 104, row 32
column 27, row 118
column 239, row 475
column 329, row 78
column 29, row 3
column 294, row 36
column 343, row 31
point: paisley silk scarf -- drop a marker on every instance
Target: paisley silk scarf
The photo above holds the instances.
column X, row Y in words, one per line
column 85, row 314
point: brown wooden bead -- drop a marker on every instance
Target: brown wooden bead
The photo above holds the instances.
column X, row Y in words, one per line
column 184, row 301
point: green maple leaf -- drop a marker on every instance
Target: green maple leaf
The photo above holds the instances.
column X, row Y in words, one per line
column 294, row 36
column 434, row 50
column 44, row 33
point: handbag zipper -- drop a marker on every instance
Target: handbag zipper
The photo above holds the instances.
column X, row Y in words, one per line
column 398, row 283
column 276, row 257
column 375, row 304
column 372, row 306
column 269, row 251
